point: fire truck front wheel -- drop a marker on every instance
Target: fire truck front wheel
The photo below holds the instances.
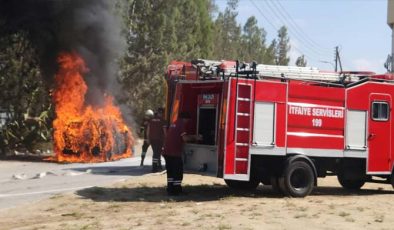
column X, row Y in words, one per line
column 244, row 185
column 297, row 179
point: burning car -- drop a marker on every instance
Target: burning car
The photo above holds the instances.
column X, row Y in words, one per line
column 85, row 132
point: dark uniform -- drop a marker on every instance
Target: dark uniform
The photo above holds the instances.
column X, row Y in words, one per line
column 173, row 156
column 146, row 144
column 156, row 138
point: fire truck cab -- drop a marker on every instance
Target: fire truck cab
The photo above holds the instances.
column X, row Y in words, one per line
column 284, row 126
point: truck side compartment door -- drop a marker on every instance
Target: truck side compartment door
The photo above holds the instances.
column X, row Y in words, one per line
column 379, row 134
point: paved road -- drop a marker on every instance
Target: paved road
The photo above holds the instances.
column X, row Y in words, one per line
column 23, row 182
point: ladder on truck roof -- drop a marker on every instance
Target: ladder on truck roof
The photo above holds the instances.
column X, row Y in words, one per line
column 294, row 72
column 229, row 68
column 288, row 72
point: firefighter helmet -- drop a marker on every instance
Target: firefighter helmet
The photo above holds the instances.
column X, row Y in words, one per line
column 149, row 113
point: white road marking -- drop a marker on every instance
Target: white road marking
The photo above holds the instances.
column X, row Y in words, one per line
column 55, row 190
column 44, row 192
column 14, row 195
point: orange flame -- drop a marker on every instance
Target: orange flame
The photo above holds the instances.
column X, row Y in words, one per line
column 85, row 133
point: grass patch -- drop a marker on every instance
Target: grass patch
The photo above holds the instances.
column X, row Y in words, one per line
column 316, row 215
column 302, row 209
column 256, row 214
column 159, row 221
column 72, row 214
column 200, row 218
column 331, row 206
column 172, row 213
column 89, row 226
column 56, row 196
column 114, row 206
column 224, row 226
column 379, row 219
column 195, row 211
column 349, row 219
column 289, row 204
column 344, row 214
column 301, row 215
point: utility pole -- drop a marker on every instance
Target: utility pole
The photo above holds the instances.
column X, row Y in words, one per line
column 390, row 22
column 337, row 59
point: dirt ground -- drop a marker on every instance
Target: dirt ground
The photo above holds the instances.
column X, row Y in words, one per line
column 141, row 203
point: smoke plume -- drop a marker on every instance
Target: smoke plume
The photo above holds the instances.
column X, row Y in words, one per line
column 88, row 27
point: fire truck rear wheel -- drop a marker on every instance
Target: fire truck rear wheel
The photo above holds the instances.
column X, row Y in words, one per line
column 350, row 184
column 297, row 179
column 243, row 185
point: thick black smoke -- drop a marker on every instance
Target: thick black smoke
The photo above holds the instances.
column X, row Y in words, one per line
column 88, row 27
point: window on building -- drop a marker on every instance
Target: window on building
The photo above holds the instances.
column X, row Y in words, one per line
column 380, row 111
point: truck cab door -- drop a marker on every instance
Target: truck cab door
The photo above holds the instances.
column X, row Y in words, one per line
column 379, row 134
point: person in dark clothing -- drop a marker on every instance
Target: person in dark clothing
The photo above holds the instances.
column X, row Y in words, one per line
column 143, row 130
column 156, row 134
column 172, row 152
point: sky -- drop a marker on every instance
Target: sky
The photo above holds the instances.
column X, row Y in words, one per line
column 358, row 27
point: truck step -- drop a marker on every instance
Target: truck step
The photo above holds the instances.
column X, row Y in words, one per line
column 243, row 99
column 241, row 159
column 243, row 114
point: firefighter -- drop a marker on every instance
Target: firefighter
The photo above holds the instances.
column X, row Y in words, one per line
column 172, row 152
column 143, row 130
column 156, row 133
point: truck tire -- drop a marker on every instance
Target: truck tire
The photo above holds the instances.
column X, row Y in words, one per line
column 242, row 185
column 297, row 179
column 350, row 184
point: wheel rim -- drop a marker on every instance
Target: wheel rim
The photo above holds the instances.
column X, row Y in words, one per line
column 299, row 179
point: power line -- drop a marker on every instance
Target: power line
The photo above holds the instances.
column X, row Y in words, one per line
column 262, row 14
column 278, row 14
column 292, row 21
column 273, row 26
column 276, row 28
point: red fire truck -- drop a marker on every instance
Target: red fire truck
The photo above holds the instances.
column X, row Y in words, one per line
column 284, row 126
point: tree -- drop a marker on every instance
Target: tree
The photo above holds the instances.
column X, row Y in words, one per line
column 227, row 34
column 159, row 31
column 253, row 42
column 270, row 54
column 301, row 61
column 24, row 97
column 145, row 58
column 283, row 47
column 248, row 44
